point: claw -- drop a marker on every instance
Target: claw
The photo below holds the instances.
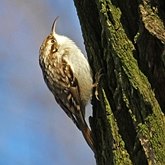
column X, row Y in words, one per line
column 98, row 76
column 97, row 94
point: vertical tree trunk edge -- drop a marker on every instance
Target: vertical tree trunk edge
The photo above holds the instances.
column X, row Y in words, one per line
column 128, row 123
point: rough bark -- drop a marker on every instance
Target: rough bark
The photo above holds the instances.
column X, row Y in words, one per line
column 126, row 40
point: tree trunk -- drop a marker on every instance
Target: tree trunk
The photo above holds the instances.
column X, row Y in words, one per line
column 126, row 40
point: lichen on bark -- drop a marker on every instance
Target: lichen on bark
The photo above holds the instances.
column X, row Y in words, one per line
column 127, row 123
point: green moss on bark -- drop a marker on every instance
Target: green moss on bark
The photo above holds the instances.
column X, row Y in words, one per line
column 122, row 50
column 120, row 154
column 128, row 124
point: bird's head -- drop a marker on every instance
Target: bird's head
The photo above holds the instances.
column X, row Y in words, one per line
column 56, row 43
column 50, row 43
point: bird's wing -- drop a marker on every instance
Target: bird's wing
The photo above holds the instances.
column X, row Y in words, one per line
column 69, row 95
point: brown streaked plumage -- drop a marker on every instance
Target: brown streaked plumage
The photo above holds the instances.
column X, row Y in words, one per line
column 68, row 76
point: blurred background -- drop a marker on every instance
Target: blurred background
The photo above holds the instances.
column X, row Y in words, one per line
column 33, row 129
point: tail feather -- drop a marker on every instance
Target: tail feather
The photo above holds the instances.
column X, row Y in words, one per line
column 88, row 137
column 83, row 127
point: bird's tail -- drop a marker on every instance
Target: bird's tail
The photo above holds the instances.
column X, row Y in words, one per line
column 88, row 137
column 83, row 127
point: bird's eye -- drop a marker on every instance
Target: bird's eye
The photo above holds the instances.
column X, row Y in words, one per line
column 52, row 41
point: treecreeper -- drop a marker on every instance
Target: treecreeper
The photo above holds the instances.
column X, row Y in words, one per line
column 68, row 76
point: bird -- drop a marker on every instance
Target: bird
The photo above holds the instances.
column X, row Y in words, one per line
column 68, row 76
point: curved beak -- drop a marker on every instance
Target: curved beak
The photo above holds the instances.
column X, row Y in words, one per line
column 53, row 30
